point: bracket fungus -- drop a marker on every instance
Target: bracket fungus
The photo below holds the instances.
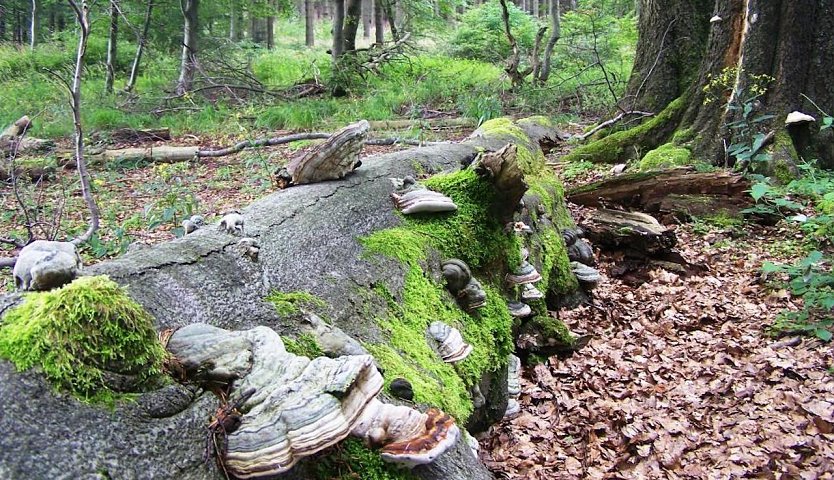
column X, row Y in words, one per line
column 469, row 291
column 232, row 223
column 293, row 407
column 797, row 117
column 406, row 436
column 578, row 249
column 334, row 159
column 525, row 273
column 191, row 225
column 411, row 197
column 248, row 247
column 519, row 309
column 450, row 344
column 586, row 275
column 513, row 386
column 44, row 265
column 530, row 292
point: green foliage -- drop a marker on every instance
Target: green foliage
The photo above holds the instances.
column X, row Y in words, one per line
column 812, row 279
column 291, row 303
column 171, row 186
column 352, row 459
column 75, row 333
column 480, row 35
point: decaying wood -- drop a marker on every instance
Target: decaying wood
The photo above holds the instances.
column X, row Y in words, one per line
column 647, row 191
column 17, row 128
column 430, row 122
column 638, row 234
column 334, row 159
column 160, row 154
column 502, row 169
column 13, row 141
column 133, row 135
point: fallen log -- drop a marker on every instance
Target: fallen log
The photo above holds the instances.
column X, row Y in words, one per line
column 136, row 135
column 651, row 191
column 13, row 142
column 638, row 234
column 339, row 246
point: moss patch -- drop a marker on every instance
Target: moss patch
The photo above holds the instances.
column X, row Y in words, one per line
column 619, row 146
column 75, row 333
column 291, row 303
column 352, row 459
column 304, row 345
column 665, row 156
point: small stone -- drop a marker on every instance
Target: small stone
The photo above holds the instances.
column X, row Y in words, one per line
column 401, row 388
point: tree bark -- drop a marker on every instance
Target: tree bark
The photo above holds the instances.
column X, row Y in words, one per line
column 309, row 23
column 189, row 45
column 353, row 16
column 310, row 240
column 709, row 56
column 555, row 34
column 234, row 17
column 338, row 46
column 112, row 41
column 140, row 47
column 367, row 15
column 35, row 24
column 379, row 23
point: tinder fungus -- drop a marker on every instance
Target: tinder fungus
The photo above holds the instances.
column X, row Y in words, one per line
column 450, row 344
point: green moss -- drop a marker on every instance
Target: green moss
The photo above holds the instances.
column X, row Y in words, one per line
column 501, row 128
column 352, row 459
column 552, row 328
column 665, row 156
column 291, row 303
column 618, row 146
column 76, row 332
column 304, row 345
column 683, row 136
column 538, row 120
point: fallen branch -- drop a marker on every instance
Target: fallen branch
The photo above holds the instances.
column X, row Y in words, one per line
column 613, row 121
column 7, row 262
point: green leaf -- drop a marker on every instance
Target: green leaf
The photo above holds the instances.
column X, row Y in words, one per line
column 770, row 267
column 823, row 334
column 759, row 190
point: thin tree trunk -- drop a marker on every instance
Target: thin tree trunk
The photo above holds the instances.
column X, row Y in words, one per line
column 112, row 41
column 35, row 25
column 555, row 33
column 367, row 14
column 352, row 18
column 270, row 32
column 392, row 19
column 137, row 59
column 233, row 20
column 338, row 46
column 309, row 23
column 4, row 12
column 82, row 14
column 379, row 23
column 189, row 46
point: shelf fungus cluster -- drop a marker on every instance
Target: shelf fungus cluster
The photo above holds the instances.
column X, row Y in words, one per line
column 459, row 280
column 294, row 407
column 44, row 265
column 411, row 197
column 578, row 248
column 513, row 386
column 450, row 344
column 587, row 276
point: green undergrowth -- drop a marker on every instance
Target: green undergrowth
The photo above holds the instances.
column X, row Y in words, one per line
column 615, row 147
column 75, row 333
column 292, row 303
column 352, row 459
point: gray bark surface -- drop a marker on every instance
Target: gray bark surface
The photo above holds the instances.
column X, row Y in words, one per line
column 309, row 240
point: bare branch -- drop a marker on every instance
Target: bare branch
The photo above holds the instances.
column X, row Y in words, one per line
column 613, row 121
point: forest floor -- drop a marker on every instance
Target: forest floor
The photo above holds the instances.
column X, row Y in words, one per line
column 681, row 378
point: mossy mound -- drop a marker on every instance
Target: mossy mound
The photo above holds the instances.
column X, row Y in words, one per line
column 304, row 345
column 292, row 303
column 81, row 334
column 665, row 156
column 352, row 459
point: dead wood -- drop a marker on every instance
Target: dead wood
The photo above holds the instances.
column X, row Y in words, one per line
column 647, row 191
column 636, row 233
column 502, row 169
column 332, row 160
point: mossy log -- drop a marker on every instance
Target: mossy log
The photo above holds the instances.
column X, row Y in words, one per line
column 650, row 191
column 636, row 233
column 376, row 276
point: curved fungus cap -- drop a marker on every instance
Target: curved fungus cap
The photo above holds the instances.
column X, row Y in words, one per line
column 440, row 435
column 450, row 344
column 456, row 273
column 423, row 201
column 798, row 117
column 530, row 292
column 585, row 274
column 513, row 386
column 525, row 273
column 473, row 296
column 581, row 252
column 519, row 310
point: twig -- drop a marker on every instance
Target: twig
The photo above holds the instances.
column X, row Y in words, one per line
column 271, row 142
column 613, row 121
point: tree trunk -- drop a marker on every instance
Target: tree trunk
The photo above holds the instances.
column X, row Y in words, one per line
column 112, row 41
column 270, row 32
column 338, row 46
column 35, row 25
column 309, row 23
column 353, row 16
column 311, row 240
column 555, row 34
column 234, row 17
column 711, row 57
column 390, row 13
column 4, row 12
column 189, row 46
column 140, row 47
column 379, row 23
column 367, row 15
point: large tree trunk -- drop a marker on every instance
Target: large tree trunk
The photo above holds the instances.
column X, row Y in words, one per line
column 112, row 41
column 698, row 62
column 353, row 15
column 189, row 46
column 338, row 46
column 379, row 23
column 35, row 24
column 310, row 240
column 309, row 23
